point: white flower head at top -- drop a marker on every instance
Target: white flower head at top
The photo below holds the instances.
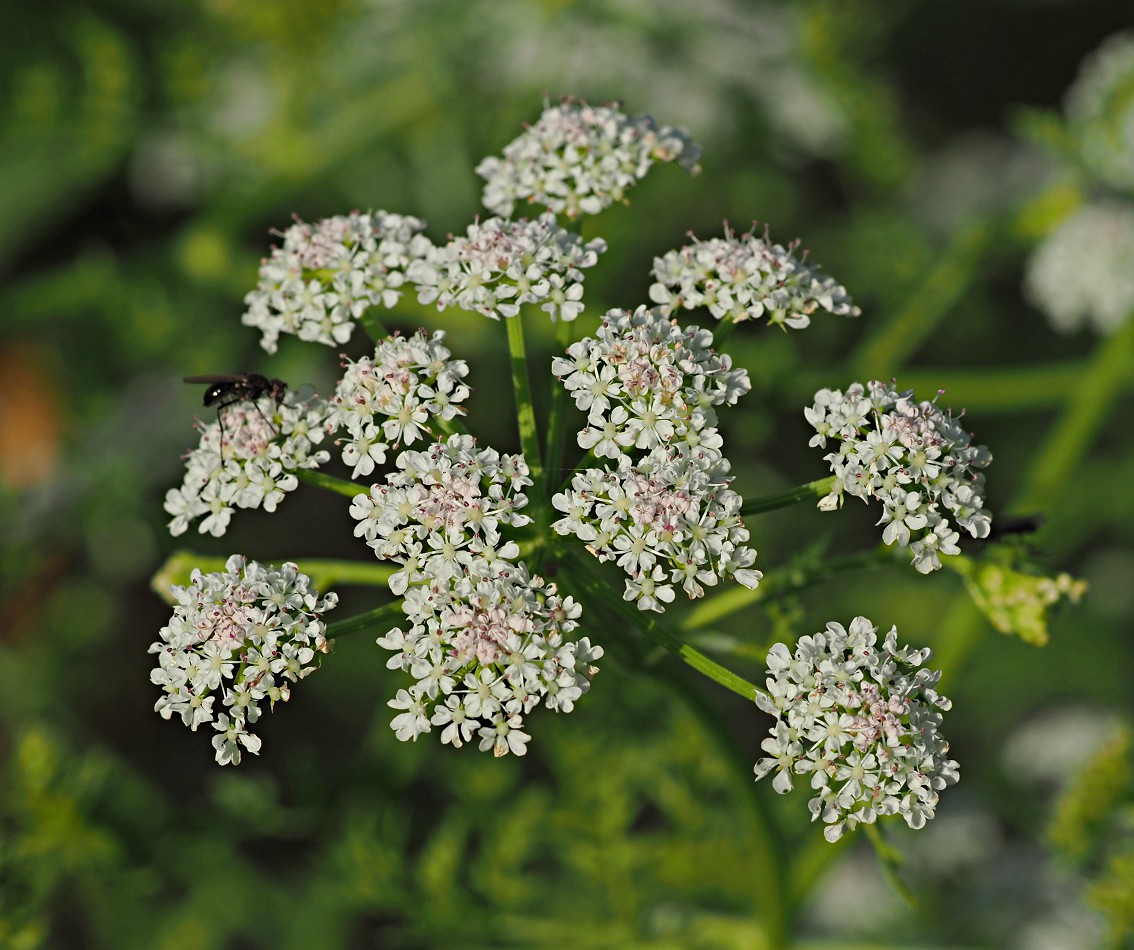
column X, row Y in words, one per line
column 242, row 635
column 440, row 516
column 861, row 721
column 578, row 159
column 1100, row 111
column 668, row 519
column 645, row 381
column 1083, row 272
column 499, row 265
column 914, row 457
column 745, row 278
column 484, row 649
column 389, row 399
column 251, row 465
column 325, row 275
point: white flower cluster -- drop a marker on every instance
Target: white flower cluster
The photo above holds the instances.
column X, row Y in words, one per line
column 486, row 643
column 441, row 514
column 746, row 278
column 1100, row 111
column 645, row 382
column 1083, row 272
column 668, row 518
column 648, row 384
column 327, row 274
column 500, row 265
column 264, row 443
column 485, row 648
column 861, row 722
column 578, row 159
column 389, row 399
column 245, row 634
column 914, row 457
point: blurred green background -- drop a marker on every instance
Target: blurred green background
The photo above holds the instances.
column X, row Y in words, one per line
column 147, row 150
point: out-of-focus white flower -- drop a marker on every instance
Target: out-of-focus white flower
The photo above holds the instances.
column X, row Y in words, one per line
column 914, row 457
column 1083, row 272
column 1100, row 111
column 499, row 265
column 264, row 443
column 745, row 278
column 329, row 273
column 862, row 722
column 389, row 400
column 577, row 159
column 243, row 635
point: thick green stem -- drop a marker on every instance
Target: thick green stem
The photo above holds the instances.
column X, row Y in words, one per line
column 337, row 485
column 525, row 408
column 727, row 601
column 539, row 499
column 587, row 575
column 557, row 416
column 377, row 619
column 792, row 496
column 373, row 326
column 1108, row 374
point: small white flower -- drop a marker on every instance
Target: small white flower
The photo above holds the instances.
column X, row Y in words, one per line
column 325, row 275
column 1100, row 111
column 388, row 400
column 913, row 457
column 264, row 443
column 668, row 518
column 644, row 381
column 500, row 265
column 746, row 278
column 242, row 635
column 863, row 721
column 578, row 159
column 486, row 645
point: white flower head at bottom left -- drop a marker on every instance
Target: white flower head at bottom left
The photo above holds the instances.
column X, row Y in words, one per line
column 242, row 635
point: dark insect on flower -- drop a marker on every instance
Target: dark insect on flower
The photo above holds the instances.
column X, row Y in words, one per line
column 225, row 390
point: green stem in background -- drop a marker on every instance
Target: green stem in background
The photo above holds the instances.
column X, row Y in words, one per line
column 454, row 426
column 587, row 575
column 557, row 416
column 1109, row 373
column 766, row 849
column 377, row 619
column 324, row 572
column 884, row 352
column 590, row 460
column 767, row 853
column 791, row 496
column 372, row 325
column 722, row 332
column 777, row 583
column 338, row 485
column 989, row 388
column 525, row 415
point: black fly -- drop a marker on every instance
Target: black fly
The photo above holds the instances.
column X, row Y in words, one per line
column 223, row 391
